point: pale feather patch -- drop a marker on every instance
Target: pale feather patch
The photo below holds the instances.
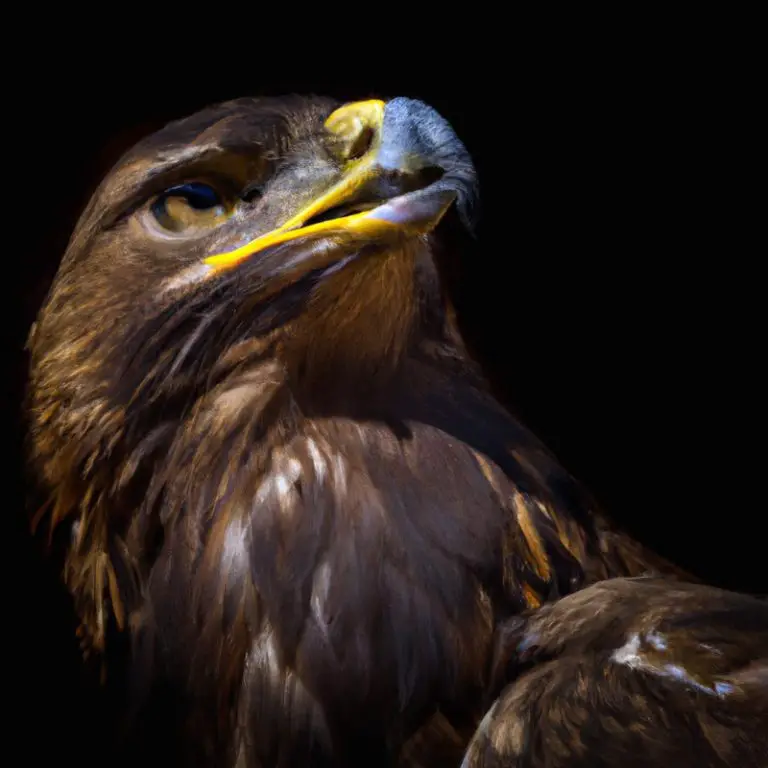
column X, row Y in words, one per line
column 630, row 654
column 186, row 278
column 265, row 656
column 281, row 482
column 320, row 587
column 319, row 463
column 339, row 471
column 235, row 545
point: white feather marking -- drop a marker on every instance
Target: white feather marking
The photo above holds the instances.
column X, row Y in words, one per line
column 190, row 275
column 281, row 482
column 320, row 587
column 628, row 653
column 339, row 469
column 631, row 656
column 235, row 553
column 657, row 641
column 318, row 462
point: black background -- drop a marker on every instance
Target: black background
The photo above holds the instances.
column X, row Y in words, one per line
column 610, row 298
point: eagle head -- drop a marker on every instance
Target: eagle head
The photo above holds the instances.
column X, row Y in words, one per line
column 256, row 244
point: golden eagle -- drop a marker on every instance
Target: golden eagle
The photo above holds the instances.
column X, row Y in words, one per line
column 283, row 477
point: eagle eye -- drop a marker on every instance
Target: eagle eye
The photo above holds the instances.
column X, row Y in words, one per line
column 191, row 205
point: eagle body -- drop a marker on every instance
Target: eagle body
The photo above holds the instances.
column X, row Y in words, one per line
column 363, row 560
column 286, row 482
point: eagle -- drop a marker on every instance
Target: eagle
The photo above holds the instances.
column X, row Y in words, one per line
column 285, row 484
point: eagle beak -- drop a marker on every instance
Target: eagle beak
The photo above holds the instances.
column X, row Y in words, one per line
column 411, row 170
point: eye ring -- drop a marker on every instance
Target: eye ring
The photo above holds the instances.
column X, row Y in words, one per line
column 193, row 204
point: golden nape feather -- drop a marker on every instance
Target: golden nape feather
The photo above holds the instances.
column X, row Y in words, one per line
column 284, row 482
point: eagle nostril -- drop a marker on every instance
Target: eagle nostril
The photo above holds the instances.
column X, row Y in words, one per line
column 351, row 138
column 351, row 142
column 359, row 144
column 354, row 127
